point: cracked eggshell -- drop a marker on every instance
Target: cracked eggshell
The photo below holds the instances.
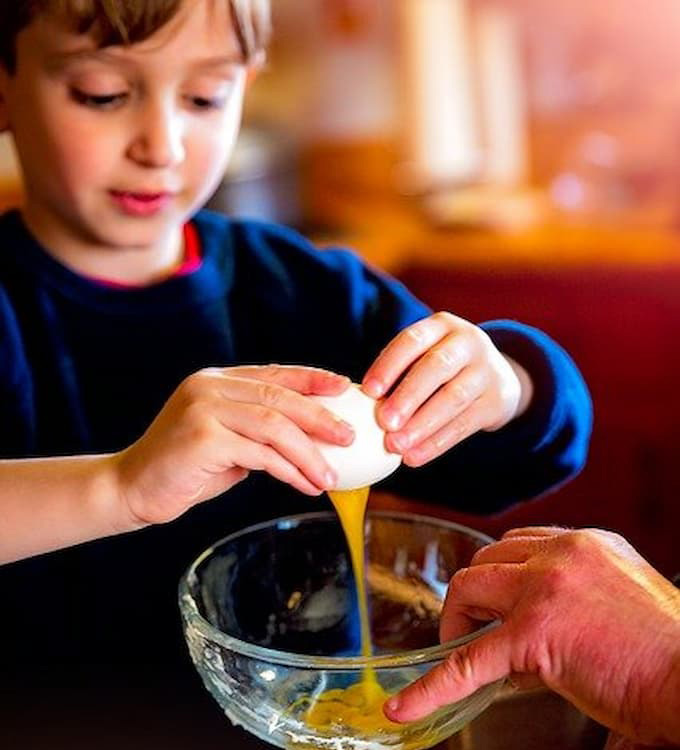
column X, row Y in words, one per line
column 365, row 461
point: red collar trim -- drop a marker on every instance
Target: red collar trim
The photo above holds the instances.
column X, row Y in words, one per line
column 193, row 257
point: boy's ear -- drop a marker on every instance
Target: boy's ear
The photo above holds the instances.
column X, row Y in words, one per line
column 255, row 67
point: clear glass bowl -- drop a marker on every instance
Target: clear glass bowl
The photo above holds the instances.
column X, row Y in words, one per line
column 270, row 617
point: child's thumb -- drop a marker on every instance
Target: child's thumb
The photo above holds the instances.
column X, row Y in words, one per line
column 466, row 669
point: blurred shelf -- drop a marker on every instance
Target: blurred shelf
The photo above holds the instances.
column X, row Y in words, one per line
column 350, row 188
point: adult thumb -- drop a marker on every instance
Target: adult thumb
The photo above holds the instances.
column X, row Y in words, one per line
column 465, row 670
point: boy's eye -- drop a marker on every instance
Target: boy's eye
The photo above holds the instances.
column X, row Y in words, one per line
column 98, row 101
column 205, row 102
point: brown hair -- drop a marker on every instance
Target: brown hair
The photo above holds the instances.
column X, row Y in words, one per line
column 125, row 21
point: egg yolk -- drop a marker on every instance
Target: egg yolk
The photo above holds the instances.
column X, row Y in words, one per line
column 358, row 706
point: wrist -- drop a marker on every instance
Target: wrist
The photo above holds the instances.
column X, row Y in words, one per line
column 103, row 496
column 662, row 709
column 671, row 697
column 525, row 384
column 123, row 490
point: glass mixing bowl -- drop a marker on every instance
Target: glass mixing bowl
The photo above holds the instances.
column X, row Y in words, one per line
column 270, row 616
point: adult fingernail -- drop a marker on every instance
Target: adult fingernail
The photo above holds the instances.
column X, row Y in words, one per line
column 330, row 480
column 393, row 704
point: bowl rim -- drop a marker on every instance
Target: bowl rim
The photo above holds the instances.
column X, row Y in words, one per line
column 193, row 618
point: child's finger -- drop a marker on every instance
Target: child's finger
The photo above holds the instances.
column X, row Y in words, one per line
column 450, row 401
column 274, row 429
column 458, row 429
column 222, row 482
column 404, row 349
column 307, row 413
column 306, row 380
column 256, row 456
column 439, row 365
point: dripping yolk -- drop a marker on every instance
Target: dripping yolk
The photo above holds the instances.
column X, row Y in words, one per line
column 358, row 706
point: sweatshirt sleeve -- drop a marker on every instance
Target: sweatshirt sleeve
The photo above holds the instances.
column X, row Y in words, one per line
column 532, row 454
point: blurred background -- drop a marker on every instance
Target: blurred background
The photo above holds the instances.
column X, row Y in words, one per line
column 504, row 158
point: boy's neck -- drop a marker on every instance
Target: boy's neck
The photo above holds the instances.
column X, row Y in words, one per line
column 134, row 266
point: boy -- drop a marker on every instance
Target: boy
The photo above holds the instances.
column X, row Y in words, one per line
column 112, row 295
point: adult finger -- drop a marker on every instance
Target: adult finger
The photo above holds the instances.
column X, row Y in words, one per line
column 458, row 621
column 535, row 531
column 479, row 594
column 525, row 681
column 512, row 549
column 469, row 667
column 494, row 588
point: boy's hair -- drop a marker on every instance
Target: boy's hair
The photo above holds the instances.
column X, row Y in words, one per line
column 125, row 21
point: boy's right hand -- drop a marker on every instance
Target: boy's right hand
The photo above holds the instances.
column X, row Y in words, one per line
column 222, row 423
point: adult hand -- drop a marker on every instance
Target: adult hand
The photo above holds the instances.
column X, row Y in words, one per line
column 580, row 610
column 222, row 423
column 452, row 382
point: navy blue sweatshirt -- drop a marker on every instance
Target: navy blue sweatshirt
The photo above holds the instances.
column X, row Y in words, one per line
column 85, row 368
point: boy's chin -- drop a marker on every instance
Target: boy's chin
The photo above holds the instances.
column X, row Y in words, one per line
column 126, row 235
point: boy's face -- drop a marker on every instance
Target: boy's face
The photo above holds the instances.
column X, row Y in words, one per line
column 119, row 146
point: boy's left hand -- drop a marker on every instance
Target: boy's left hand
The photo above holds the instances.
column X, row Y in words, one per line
column 452, row 382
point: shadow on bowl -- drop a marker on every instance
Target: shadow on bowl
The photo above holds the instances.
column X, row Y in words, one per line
column 270, row 617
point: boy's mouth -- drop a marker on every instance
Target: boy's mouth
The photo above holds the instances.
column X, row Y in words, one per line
column 140, row 204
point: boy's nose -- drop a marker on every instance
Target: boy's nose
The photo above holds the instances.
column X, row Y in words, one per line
column 159, row 141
